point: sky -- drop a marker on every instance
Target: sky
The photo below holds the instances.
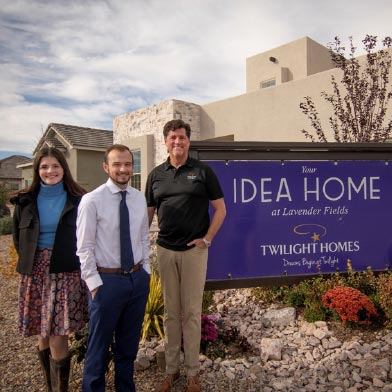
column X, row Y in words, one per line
column 85, row 62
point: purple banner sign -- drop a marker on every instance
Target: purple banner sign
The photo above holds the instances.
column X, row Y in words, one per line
column 302, row 217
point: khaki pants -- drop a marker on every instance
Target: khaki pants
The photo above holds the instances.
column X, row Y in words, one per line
column 183, row 276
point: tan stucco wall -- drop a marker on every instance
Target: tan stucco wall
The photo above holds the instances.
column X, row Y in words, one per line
column 318, row 57
column 271, row 114
column 27, row 176
column 71, row 156
column 90, row 173
column 302, row 68
column 295, row 60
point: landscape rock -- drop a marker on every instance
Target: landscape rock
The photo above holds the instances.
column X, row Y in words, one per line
column 322, row 357
column 270, row 349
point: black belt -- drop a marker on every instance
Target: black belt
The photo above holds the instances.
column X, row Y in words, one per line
column 120, row 271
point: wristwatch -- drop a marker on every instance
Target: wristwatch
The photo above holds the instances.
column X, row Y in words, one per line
column 207, row 243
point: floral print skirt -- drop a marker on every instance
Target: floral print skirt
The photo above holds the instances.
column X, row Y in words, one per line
column 51, row 304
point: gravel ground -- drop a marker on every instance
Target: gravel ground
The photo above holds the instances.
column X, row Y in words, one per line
column 19, row 365
column 19, row 369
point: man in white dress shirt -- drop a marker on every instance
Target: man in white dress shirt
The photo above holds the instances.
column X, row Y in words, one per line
column 118, row 295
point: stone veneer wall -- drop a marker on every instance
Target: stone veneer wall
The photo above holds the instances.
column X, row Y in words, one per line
column 150, row 120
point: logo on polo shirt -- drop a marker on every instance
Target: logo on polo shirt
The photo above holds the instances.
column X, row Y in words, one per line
column 191, row 176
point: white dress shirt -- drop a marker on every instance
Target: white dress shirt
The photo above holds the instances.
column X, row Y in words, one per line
column 98, row 230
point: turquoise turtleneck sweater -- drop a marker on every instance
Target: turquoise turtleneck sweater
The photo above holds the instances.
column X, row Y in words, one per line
column 51, row 201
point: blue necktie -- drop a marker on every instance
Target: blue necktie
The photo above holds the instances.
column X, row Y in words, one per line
column 127, row 261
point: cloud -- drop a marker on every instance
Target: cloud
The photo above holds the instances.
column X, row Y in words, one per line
column 84, row 63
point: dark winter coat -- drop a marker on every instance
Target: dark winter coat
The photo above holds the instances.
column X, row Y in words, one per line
column 26, row 233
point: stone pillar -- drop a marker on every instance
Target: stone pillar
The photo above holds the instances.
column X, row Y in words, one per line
column 150, row 121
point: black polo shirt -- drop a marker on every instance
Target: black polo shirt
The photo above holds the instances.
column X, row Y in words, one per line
column 181, row 197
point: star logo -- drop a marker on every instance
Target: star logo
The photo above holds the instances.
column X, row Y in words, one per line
column 315, row 237
column 306, row 229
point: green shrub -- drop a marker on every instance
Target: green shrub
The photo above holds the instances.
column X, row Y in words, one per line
column 296, row 297
column 6, row 225
column 309, row 290
column 315, row 313
column 364, row 281
column 78, row 344
column 384, row 295
column 308, row 293
column 269, row 295
column 4, row 194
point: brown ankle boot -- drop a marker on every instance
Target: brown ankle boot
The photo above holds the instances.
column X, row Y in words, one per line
column 167, row 383
column 59, row 374
column 43, row 356
column 192, row 384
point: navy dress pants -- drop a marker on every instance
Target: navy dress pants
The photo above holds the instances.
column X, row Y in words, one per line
column 116, row 310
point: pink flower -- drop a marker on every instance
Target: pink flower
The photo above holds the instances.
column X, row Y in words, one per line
column 209, row 331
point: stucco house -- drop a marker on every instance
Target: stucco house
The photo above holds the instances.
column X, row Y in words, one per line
column 10, row 173
column 84, row 149
column 276, row 83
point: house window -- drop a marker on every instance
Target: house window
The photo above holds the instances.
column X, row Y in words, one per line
column 136, row 178
column 268, row 83
column 14, row 186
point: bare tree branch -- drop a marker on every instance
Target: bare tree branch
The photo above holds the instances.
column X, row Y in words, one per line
column 360, row 100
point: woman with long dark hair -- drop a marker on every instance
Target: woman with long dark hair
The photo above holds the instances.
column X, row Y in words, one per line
column 52, row 298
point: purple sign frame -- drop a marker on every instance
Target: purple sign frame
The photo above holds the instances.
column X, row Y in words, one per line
column 288, row 218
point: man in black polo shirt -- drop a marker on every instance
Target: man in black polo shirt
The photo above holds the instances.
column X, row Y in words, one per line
column 181, row 190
